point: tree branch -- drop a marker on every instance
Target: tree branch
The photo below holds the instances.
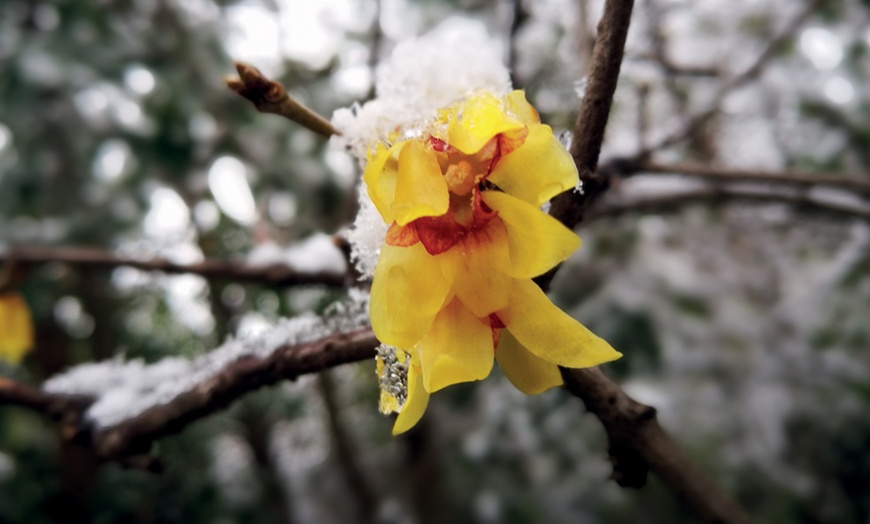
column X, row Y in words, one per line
column 594, row 111
column 129, row 441
column 721, row 194
column 273, row 275
column 135, row 435
column 348, row 457
column 269, row 96
column 696, row 122
column 859, row 184
column 638, row 443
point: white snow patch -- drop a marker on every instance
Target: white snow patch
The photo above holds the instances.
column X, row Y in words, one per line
column 366, row 236
column 425, row 74
column 314, row 254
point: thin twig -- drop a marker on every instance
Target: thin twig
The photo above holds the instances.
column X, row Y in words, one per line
column 859, row 184
column 274, row 274
column 697, row 121
column 518, row 19
column 348, row 458
column 269, row 96
column 721, row 194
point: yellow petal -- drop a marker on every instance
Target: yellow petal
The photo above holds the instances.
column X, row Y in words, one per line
column 538, row 170
column 457, row 349
column 16, row 327
column 516, row 103
column 477, row 268
column 407, row 292
column 537, row 241
column 474, row 122
column 421, row 190
column 549, row 333
column 380, row 176
column 415, row 404
column 527, row 373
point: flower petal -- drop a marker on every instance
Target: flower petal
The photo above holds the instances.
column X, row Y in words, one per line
column 458, row 348
column 527, row 373
column 538, row 170
column 537, row 241
column 549, row 333
column 416, row 403
column 421, row 190
column 380, row 176
column 16, row 327
column 407, row 292
column 516, row 103
column 476, row 121
column 477, row 269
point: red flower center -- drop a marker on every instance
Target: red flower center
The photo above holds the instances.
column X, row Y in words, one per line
column 466, row 177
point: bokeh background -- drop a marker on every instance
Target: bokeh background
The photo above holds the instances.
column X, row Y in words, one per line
column 744, row 323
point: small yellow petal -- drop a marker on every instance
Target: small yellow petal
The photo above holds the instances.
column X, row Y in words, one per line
column 537, row 241
column 458, row 348
column 16, row 327
column 538, row 170
column 476, row 121
column 408, row 290
column 516, row 103
column 527, row 373
column 421, row 190
column 415, row 405
column 477, row 268
column 549, row 333
column 380, row 176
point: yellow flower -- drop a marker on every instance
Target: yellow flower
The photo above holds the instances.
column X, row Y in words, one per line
column 452, row 287
column 16, row 327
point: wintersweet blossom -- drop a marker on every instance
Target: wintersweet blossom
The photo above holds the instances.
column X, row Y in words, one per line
column 16, row 327
column 452, row 287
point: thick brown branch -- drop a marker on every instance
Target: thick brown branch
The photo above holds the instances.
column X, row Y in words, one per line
column 269, row 96
column 129, row 442
column 274, row 275
column 594, row 111
column 135, row 435
column 14, row 393
column 638, row 443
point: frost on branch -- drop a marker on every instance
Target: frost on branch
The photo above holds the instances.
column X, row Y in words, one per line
column 124, row 389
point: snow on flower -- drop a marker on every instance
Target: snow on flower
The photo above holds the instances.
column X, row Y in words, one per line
column 459, row 193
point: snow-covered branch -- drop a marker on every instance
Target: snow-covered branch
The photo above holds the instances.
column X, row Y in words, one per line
column 119, row 408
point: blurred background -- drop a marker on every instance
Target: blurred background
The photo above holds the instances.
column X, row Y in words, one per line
column 743, row 319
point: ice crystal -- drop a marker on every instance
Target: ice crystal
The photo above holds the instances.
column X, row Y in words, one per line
column 392, row 379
